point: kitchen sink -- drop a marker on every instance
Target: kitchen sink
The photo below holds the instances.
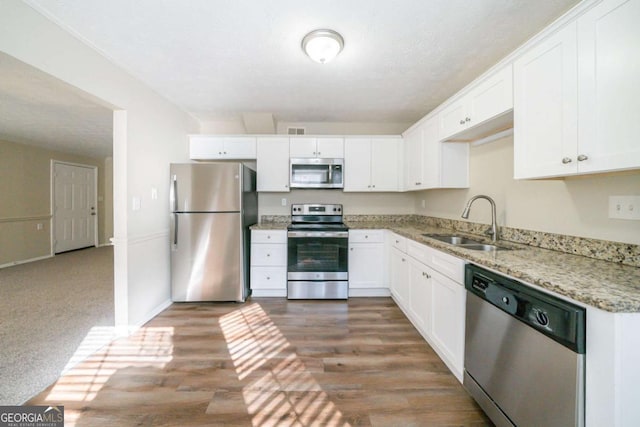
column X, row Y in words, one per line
column 452, row 240
column 484, row 247
column 465, row 242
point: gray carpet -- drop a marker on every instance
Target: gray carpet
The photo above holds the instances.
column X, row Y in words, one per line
column 52, row 312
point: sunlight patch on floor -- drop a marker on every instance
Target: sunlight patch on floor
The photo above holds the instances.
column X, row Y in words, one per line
column 85, row 375
column 279, row 389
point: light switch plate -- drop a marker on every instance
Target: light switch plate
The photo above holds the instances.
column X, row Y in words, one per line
column 624, row 207
column 135, row 203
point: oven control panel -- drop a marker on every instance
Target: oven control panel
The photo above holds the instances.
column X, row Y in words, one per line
column 315, row 209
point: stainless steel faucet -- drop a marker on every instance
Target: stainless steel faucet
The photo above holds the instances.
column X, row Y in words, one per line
column 493, row 231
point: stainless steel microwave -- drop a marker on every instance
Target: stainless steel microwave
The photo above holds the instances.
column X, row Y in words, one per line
column 316, row 173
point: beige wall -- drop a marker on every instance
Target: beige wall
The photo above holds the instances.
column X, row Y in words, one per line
column 576, row 206
column 354, row 203
column 25, row 200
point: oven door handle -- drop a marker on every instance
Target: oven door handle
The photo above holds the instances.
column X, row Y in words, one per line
column 295, row 234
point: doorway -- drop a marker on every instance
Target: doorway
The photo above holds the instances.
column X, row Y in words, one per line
column 74, row 206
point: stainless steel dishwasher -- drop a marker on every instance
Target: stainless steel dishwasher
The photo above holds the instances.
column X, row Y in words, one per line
column 524, row 352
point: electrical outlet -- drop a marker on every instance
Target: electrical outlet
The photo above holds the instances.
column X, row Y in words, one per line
column 154, row 193
column 39, row 226
column 624, row 207
column 284, row 201
column 424, row 203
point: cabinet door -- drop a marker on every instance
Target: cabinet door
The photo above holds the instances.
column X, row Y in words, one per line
column 366, row 265
column 414, row 159
column 609, row 82
column 400, row 277
column 491, row 98
column 431, row 158
column 357, row 167
column 453, row 119
column 241, row 147
column 545, row 107
column 385, row 164
column 302, row 147
column 420, row 299
column 447, row 319
column 203, row 147
column 273, row 164
column 330, row 148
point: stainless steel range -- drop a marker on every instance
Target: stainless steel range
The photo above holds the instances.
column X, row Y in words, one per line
column 317, row 241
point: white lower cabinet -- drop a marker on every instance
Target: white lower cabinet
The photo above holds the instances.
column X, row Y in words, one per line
column 447, row 320
column 428, row 286
column 420, row 295
column 367, row 263
column 269, row 263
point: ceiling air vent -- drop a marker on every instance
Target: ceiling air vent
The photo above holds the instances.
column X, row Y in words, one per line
column 295, row 131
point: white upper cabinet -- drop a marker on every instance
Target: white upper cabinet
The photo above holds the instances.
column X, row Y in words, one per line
column 484, row 110
column 609, row 86
column 372, row 164
column 545, row 113
column 434, row 164
column 273, row 164
column 576, row 96
column 328, row 148
column 209, row 147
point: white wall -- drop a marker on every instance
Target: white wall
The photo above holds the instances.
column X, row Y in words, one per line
column 345, row 128
column 576, row 206
column 152, row 135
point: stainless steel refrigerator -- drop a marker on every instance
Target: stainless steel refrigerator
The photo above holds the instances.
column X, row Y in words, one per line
column 212, row 207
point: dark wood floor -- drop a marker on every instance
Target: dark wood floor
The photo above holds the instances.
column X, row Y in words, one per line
column 268, row 362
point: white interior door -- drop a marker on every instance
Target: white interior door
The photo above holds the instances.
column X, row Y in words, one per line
column 74, row 207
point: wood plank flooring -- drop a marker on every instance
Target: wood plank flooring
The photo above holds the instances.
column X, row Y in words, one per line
column 268, row 362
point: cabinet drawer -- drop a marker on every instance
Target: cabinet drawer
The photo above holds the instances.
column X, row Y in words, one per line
column 446, row 264
column 269, row 254
column 268, row 278
column 268, row 236
column 366, row 236
column 399, row 242
column 449, row 265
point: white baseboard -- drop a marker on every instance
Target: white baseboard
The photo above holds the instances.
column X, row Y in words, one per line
column 25, row 261
column 369, row 292
column 259, row 293
column 123, row 330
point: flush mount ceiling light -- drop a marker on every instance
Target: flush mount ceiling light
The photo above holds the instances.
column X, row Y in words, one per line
column 322, row 45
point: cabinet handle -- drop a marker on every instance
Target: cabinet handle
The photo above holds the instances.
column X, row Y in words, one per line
column 351, row 249
column 319, row 153
column 225, row 152
column 418, row 183
column 462, row 122
column 397, row 241
column 268, row 278
column 426, row 275
column 286, row 186
column 582, row 158
column 374, row 186
column 220, row 152
column 268, row 255
column 368, row 186
column 403, row 260
column 268, row 236
column 314, row 153
column 566, row 160
column 366, row 237
column 467, row 119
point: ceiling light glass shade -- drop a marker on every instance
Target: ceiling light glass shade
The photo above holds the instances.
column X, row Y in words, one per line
column 322, row 45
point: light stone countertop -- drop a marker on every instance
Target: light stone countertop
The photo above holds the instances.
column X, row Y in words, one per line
column 605, row 285
column 609, row 286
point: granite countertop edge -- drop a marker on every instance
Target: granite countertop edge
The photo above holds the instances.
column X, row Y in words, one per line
column 605, row 285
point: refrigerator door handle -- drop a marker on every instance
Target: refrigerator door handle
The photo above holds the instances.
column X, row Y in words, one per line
column 174, row 192
column 174, row 226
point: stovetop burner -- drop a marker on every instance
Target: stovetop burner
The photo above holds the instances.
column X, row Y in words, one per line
column 316, row 217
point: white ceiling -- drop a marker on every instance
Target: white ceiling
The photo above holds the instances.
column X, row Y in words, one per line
column 37, row 109
column 233, row 59
column 221, row 58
